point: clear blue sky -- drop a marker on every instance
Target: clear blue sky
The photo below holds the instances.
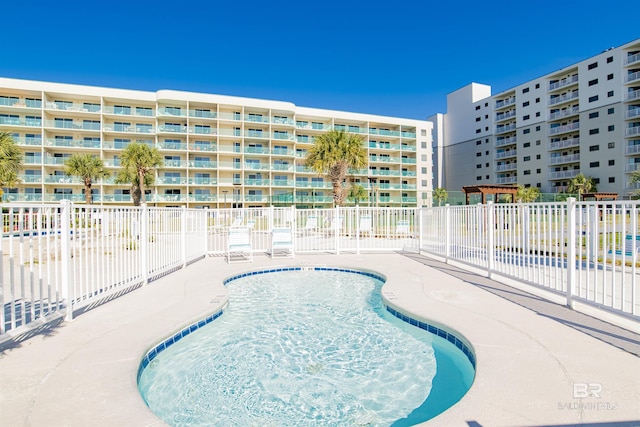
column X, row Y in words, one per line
column 378, row 57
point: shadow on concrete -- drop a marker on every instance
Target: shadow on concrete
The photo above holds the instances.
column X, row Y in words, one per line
column 633, row 423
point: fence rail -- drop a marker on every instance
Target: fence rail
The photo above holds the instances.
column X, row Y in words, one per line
column 59, row 258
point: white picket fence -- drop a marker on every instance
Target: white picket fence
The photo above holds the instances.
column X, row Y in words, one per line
column 57, row 259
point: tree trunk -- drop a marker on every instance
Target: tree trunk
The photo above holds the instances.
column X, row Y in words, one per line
column 87, row 193
column 141, row 187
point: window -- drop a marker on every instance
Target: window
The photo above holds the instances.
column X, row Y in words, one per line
column 478, row 154
column 611, row 128
column 527, row 158
column 537, row 156
column 423, row 157
column 479, row 142
column 478, row 130
column 486, row 152
column 423, row 132
column 537, row 85
column 611, row 145
column 525, row 90
column 609, row 59
column 610, row 76
column 537, row 113
column 537, row 128
column 594, row 148
column 525, row 104
column 527, row 172
column 478, row 166
column 423, row 170
column 526, row 131
column 538, row 170
column 423, row 183
column 594, row 131
column 486, row 165
column 537, row 100
column 612, row 162
column 527, row 144
column 593, row 82
column 610, row 94
column 526, row 117
column 477, row 119
column 611, row 110
column 592, row 66
column 593, row 115
column 479, row 178
column 594, row 164
column 423, row 144
column 486, row 176
column 596, row 180
column 477, row 107
column 538, row 142
column 486, row 116
column 593, row 98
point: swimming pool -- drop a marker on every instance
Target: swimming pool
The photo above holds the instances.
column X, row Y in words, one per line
column 305, row 346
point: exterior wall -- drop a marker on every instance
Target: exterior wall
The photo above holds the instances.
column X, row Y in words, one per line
column 219, row 151
column 584, row 118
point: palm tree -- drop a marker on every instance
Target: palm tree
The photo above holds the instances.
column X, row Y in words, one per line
column 581, row 184
column 138, row 161
column 527, row 194
column 633, row 179
column 88, row 168
column 333, row 154
column 10, row 161
column 357, row 193
column 440, row 195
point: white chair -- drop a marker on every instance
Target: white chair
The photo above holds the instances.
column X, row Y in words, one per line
column 335, row 226
column 251, row 224
column 311, row 225
column 402, row 228
column 239, row 243
column 365, row 224
column 282, row 242
column 237, row 222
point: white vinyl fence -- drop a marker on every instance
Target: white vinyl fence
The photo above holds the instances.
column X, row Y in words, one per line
column 584, row 251
column 61, row 258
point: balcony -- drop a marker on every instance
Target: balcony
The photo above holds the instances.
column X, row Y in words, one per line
column 173, row 112
column 383, row 159
column 283, row 183
column 16, row 121
column 384, row 145
column 632, row 77
column 405, row 134
column 202, row 130
column 175, row 163
column 32, row 160
column 408, row 160
column 505, row 154
column 506, row 180
column 632, row 131
column 202, row 147
column 634, row 94
column 505, row 168
column 564, row 113
column 17, row 103
column 177, row 146
column 312, row 126
column 202, row 114
column 283, row 121
column 505, row 102
column 632, row 59
column 62, row 179
column 283, row 136
column 409, row 173
column 22, row 197
column 558, row 145
column 505, row 128
column 202, row 181
column 384, row 132
column 571, row 158
column 207, row 164
column 564, row 98
column 30, row 179
column 283, row 152
column 501, row 142
column 31, row 141
column 256, row 150
column 203, row 197
column 381, row 172
column 282, row 167
column 632, row 114
column 631, row 167
column 632, row 148
column 172, row 128
column 564, row 174
column 506, row 115
column 57, row 142
column 127, row 111
column 171, row 180
column 256, row 166
column 565, row 128
column 563, row 83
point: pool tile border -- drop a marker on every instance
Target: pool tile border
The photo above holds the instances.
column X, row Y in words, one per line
column 449, row 336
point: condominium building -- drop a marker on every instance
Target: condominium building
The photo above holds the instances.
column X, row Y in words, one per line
column 218, row 151
column 584, row 118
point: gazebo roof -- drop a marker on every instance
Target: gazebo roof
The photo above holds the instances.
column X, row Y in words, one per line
column 600, row 196
column 485, row 189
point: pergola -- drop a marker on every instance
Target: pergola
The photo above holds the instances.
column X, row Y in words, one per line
column 485, row 189
column 599, row 196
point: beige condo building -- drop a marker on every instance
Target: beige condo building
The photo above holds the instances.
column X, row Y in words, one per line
column 218, row 151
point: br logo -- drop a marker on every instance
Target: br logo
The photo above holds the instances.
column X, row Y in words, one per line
column 584, row 390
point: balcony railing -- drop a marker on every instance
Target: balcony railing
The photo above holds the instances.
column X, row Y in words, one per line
column 634, row 94
column 563, row 83
column 564, row 174
column 504, row 168
column 557, row 145
column 564, row 113
column 505, row 154
column 633, row 131
column 505, row 102
column 571, row 158
column 505, row 128
column 632, row 77
column 501, row 142
column 565, row 128
column 563, row 98
column 632, row 59
column 632, row 114
column 632, row 148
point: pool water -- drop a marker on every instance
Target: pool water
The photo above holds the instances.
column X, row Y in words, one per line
column 305, row 348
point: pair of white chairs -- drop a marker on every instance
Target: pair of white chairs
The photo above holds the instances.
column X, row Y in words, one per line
column 240, row 248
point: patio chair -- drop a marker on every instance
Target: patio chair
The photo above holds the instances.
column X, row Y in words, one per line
column 402, row 228
column 282, row 242
column 335, row 225
column 311, row 224
column 365, row 224
column 239, row 244
column 629, row 247
column 237, row 222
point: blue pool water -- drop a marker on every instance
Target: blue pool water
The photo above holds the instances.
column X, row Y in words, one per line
column 305, row 348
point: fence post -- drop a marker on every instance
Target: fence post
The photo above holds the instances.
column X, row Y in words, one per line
column 206, row 230
column 65, row 256
column 571, row 250
column 419, row 212
column 491, row 244
column 144, row 243
column 357, row 230
column 336, row 228
column 447, row 232
column 183, row 235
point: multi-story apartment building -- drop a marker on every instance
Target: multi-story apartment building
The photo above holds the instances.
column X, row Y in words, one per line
column 584, row 118
column 218, row 151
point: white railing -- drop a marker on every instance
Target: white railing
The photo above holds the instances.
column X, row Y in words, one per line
column 583, row 251
column 60, row 258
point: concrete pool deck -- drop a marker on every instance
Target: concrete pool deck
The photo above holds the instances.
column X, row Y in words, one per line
column 532, row 369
